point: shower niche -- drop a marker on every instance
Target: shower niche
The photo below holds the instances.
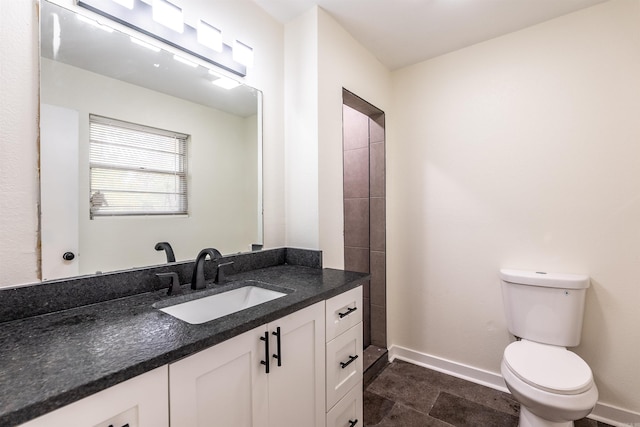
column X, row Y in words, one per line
column 363, row 143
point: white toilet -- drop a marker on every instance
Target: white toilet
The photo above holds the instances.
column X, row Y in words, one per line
column 544, row 311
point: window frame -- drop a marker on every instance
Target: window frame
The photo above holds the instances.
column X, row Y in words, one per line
column 171, row 146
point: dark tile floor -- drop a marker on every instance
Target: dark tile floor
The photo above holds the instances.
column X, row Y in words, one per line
column 406, row 395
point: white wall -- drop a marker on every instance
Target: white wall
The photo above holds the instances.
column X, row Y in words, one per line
column 240, row 19
column 520, row 152
column 222, row 153
column 18, row 142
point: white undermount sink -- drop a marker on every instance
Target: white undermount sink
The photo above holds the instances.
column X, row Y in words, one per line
column 214, row 306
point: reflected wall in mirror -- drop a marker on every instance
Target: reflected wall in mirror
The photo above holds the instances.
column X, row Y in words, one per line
column 86, row 69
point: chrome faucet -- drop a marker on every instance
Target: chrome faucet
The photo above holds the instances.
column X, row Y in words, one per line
column 197, row 278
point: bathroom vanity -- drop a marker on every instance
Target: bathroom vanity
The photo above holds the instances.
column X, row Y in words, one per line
column 295, row 360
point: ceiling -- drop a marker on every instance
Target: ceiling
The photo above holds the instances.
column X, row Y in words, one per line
column 404, row 32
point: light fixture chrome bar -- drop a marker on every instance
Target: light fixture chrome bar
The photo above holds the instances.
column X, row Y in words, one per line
column 140, row 18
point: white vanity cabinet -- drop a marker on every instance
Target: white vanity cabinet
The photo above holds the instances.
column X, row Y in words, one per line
column 228, row 384
column 344, row 359
column 304, row 369
column 139, row 402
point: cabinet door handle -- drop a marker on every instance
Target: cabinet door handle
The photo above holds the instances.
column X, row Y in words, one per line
column 348, row 312
column 265, row 362
column 353, row 422
column 278, row 356
column 348, row 362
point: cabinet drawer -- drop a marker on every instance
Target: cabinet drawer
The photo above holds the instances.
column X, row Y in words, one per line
column 344, row 364
column 344, row 311
column 348, row 411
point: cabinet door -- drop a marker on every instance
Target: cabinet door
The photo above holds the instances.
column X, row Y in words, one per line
column 224, row 385
column 138, row 402
column 296, row 388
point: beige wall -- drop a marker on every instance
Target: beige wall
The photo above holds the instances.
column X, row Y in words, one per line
column 520, row 152
column 240, row 19
column 321, row 59
column 342, row 63
column 301, row 131
column 18, row 142
column 245, row 21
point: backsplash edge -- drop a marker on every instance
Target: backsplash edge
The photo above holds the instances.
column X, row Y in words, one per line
column 40, row 298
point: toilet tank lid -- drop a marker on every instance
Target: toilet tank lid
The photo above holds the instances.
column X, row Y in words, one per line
column 541, row 278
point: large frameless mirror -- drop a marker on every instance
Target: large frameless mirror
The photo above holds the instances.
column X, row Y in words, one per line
column 89, row 70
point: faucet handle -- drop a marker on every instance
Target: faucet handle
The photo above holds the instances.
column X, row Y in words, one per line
column 223, row 270
column 174, row 286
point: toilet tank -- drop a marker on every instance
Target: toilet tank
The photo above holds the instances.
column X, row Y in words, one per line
column 544, row 307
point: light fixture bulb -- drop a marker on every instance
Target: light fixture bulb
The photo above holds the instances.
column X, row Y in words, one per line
column 168, row 14
column 243, row 53
column 226, row 83
column 126, row 3
column 209, row 36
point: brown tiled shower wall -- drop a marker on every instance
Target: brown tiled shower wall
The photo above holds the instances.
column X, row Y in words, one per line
column 364, row 214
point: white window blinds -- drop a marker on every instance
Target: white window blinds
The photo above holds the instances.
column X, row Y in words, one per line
column 136, row 170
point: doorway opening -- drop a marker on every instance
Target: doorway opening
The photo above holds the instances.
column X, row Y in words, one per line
column 363, row 144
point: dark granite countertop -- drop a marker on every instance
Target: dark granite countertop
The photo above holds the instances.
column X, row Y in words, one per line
column 51, row 360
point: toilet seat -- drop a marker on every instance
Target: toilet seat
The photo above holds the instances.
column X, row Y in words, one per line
column 550, row 368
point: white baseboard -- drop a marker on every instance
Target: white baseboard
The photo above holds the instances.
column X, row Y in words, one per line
column 615, row 416
column 602, row 412
column 455, row 369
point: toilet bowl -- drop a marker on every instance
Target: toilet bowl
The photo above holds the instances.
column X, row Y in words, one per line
column 544, row 311
column 553, row 385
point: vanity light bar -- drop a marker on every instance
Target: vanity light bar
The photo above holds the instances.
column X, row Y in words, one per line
column 140, row 18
